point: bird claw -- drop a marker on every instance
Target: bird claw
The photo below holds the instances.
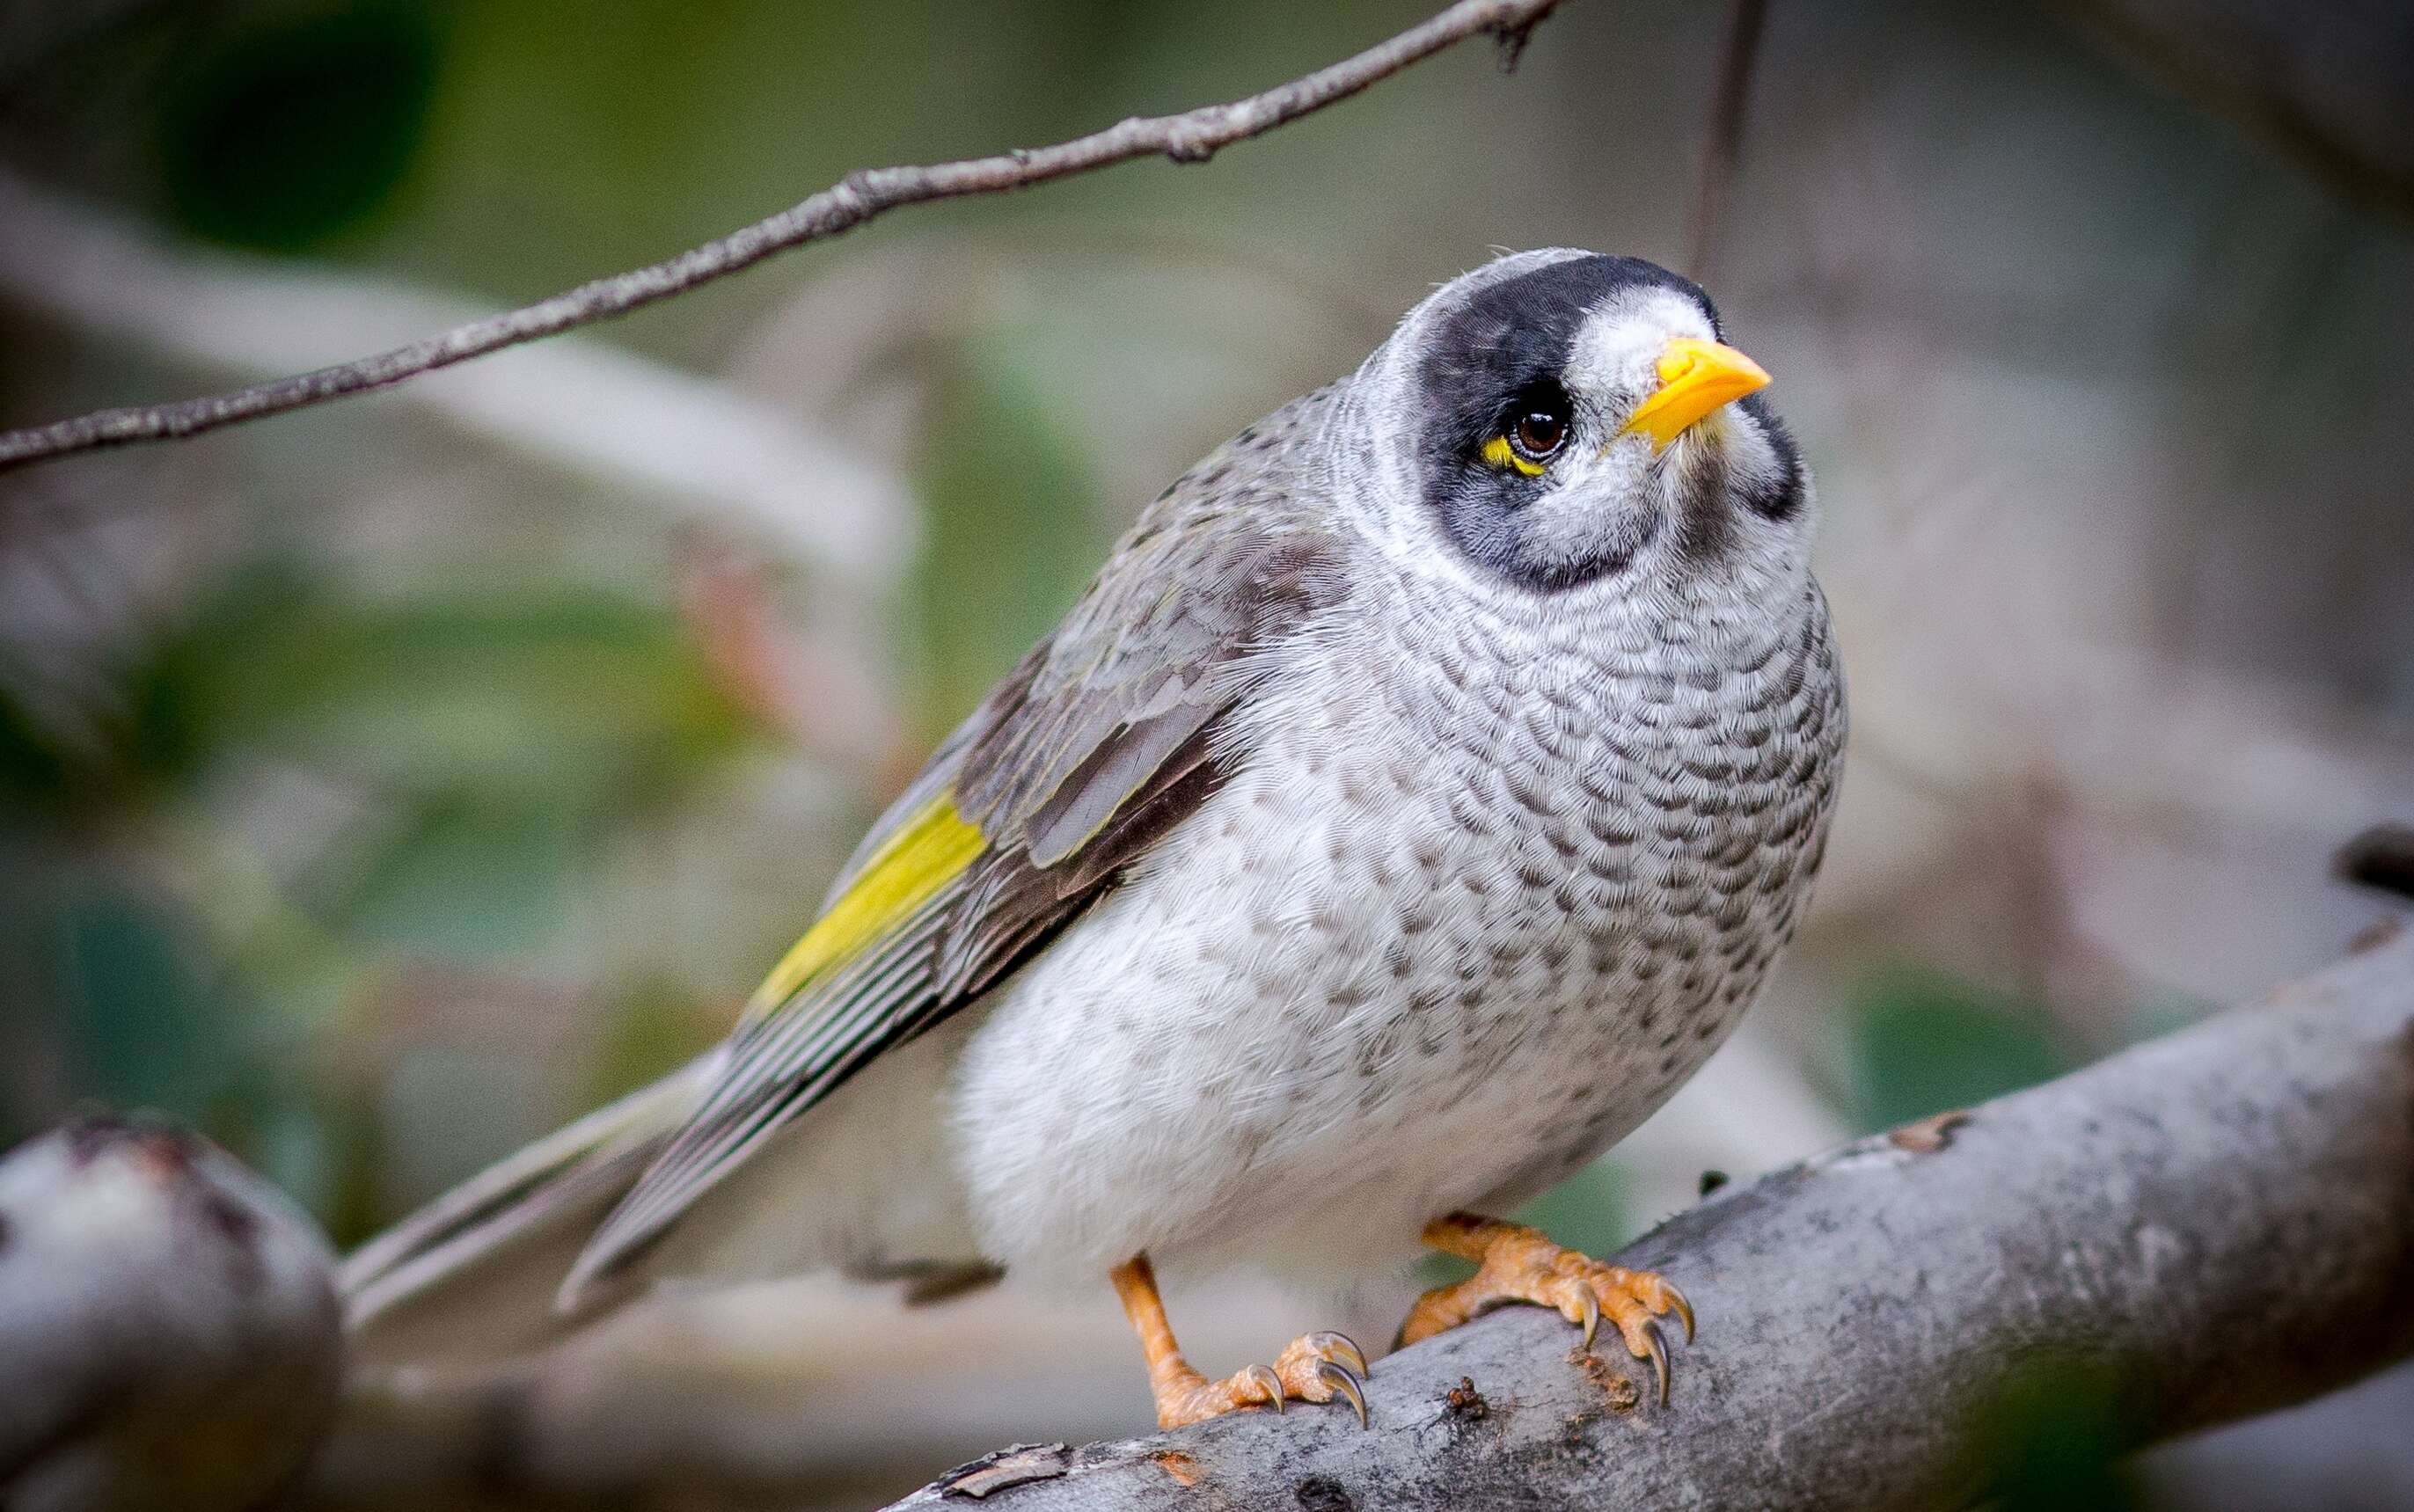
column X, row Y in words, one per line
column 1316, row 1367
column 1634, row 1300
column 1264, row 1387
column 1344, row 1381
column 1320, row 1366
column 1683, row 1309
column 1658, row 1348
column 1339, row 1348
column 1516, row 1264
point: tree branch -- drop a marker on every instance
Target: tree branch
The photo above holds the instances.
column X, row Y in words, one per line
column 2213, row 1225
column 1722, row 144
column 1190, row 136
column 700, row 447
column 2324, row 80
column 169, row 1330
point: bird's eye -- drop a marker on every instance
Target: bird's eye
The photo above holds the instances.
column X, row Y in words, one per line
column 1533, row 431
column 1541, row 431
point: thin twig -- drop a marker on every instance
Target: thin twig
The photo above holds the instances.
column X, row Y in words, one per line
column 2323, row 83
column 1722, row 149
column 690, row 445
column 1190, row 136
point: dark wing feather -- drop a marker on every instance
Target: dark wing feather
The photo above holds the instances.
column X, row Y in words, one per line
column 1103, row 739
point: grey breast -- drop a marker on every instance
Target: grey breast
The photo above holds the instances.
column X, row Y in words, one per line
column 1630, row 832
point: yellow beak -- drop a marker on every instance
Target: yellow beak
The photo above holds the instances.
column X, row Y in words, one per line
column 1695, row 377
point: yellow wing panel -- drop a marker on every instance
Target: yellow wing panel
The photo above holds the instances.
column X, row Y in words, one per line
column 927, row 851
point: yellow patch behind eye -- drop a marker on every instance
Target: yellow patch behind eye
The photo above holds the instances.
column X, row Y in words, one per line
column 1501, row 454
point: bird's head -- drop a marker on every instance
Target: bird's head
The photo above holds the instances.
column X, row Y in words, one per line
column 1561, row 421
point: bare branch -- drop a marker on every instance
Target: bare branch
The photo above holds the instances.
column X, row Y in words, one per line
column 169, row 1330
column 2324, row 80
column 1722, row 149
column 2211, row 1225
column 1190, row 136
column 701, row 448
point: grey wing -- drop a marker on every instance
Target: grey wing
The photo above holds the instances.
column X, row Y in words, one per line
column 1109, row 734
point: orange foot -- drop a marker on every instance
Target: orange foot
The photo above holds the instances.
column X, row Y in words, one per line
column 1317, row 1366
column 1518, row 1264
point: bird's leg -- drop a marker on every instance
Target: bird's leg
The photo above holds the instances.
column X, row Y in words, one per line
column 1317, row 1366
column 1517, row 1263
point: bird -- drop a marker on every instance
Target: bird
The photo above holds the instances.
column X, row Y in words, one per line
column 1418, row 794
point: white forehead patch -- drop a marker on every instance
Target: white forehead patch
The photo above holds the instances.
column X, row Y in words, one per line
column 1618, row 349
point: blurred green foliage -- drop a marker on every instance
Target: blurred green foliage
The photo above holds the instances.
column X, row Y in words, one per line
column 1589, row 1210
column 287, row 129
column 155, row 1027
column 1010, row 501
column 503, row 732
column 33, row 775
column 649, row 1028
column 1915, row 1042
column 485, row 747
column 2049, row 1439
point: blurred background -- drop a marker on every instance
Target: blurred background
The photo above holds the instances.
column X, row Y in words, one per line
column 381, row 785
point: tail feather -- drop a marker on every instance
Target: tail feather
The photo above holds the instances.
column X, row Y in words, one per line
column 470, row 1272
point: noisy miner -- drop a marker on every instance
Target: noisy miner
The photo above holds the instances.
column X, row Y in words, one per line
column 1415, row 800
